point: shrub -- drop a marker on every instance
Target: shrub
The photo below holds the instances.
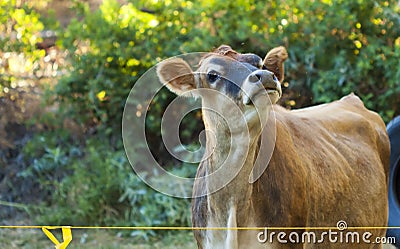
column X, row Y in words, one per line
column 20, row 28
column 102, row 189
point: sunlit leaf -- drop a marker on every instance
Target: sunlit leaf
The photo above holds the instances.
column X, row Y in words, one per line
column 101, row 95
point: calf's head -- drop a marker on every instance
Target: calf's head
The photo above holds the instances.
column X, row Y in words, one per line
column 229, row 83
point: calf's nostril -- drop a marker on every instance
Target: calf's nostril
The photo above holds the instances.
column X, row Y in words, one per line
column 263, row 77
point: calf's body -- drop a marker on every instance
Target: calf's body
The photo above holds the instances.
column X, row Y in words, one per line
column 328, row 163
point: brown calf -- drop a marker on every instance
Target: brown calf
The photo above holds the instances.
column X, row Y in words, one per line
column 328, row 163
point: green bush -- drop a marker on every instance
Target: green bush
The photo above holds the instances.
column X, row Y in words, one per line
column 109, row 51
column 95, row 185
column 346, row 46
column 20, row 27
column 89, row 193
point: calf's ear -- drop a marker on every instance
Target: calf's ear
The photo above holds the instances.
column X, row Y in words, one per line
column 274, row 61
column 177, row 75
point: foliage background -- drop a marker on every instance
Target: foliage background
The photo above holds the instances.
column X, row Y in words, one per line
column 60, row 109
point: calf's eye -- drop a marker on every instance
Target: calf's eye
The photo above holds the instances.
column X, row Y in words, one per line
column 213, row 76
